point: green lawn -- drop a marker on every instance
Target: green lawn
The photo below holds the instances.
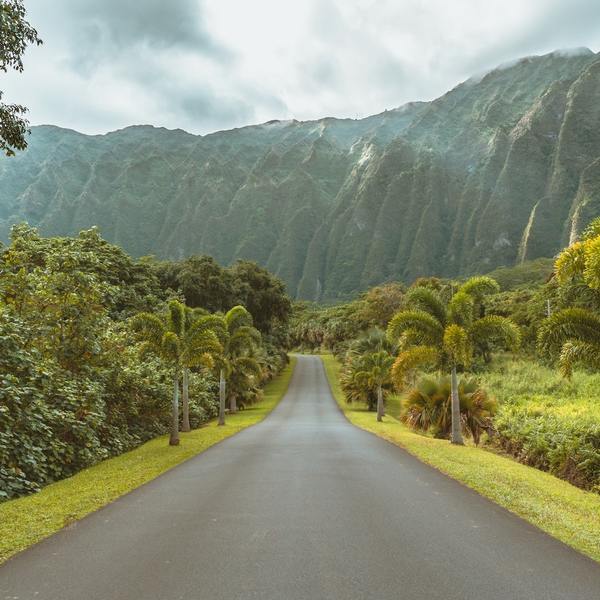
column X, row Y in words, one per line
column 555, row 506
column 26, row 521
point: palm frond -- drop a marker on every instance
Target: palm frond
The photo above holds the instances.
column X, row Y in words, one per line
column 479, row 287
column 460, row 309
column 236, row 317
column 569, row 324
column 578, row 353
column 411, row 359
column 422, row 325
column 457, row 345
column 570, row 263
column 176, row 317
column 428, row 300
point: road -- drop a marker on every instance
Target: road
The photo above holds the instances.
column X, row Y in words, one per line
column 301, row 506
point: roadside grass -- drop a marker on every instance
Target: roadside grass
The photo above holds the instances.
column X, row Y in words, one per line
column 560, row 509
column 26, row 521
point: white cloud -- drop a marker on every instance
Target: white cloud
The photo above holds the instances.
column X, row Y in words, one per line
column 209, row 64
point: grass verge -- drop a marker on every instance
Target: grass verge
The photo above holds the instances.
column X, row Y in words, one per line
column 564, row 511
column 26, row 521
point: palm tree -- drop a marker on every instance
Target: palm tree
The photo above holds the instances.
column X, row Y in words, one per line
column 374, row 372
column 358, row 388
column 238, row 366
column 574, row 333
column 179, row 343
column 197, row 320
column 430, row 332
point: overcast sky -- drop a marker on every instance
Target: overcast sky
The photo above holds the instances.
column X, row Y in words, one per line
column 204, row 65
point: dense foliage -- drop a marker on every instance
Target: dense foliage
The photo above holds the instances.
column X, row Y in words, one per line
column 76, row 385
column 15, row 35
column 523, row 406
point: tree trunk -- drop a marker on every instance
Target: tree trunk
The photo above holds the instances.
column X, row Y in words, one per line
column 185, row 423
column 222, row 398
column 232, row 404
column 380, row 412
column 456, row 437
column 174, row 438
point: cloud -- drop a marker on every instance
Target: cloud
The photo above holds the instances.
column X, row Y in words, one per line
column 203, row 65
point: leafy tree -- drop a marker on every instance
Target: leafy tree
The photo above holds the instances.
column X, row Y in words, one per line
column 238, row 365
column 15, row 35
column 431, row 332
column 262, row 294
column 181, row 342
column 380, row 304
column 201, row 280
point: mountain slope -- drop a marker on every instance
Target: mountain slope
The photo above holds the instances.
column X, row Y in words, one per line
column 502, row 168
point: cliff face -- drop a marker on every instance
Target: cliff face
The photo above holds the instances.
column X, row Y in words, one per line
column 500, row 169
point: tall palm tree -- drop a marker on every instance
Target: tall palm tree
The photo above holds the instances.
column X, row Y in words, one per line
column 197, row 320
column 178, row 342
column 238, row 365
column 430, row 332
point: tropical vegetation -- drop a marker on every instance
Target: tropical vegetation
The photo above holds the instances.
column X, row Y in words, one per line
column 538, row 404
column 97, row 346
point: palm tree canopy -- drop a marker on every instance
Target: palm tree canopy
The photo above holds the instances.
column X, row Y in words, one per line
column 418, row 324
column 179, row 336
column 427, row 300
column 429, row 332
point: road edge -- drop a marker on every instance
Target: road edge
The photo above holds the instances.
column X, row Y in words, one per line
column 28, row 520
column 585, row 540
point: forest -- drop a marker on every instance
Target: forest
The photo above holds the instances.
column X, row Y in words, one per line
column 98, row 349
column 522, row 342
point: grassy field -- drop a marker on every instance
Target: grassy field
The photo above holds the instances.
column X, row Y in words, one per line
column 28, row 520
column 568, row 513
column 547, row 421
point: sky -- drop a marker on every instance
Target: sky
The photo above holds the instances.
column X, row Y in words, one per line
column 206, row 65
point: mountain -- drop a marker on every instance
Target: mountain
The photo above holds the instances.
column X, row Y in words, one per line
column 501, row 169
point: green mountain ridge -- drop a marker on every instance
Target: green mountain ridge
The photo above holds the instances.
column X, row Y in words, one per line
column 503, row 168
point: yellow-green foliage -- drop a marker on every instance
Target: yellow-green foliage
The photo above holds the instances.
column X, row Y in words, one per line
column 555, row 506
column 26, row 521
column 547, row 421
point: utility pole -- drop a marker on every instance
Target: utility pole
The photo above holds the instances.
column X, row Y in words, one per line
column 548, row 309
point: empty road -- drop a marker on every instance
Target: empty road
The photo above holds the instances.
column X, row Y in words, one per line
column 301, row 506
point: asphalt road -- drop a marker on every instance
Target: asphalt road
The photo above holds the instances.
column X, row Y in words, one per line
column 301, row 506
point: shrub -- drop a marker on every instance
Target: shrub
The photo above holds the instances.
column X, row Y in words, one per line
column 427, row 407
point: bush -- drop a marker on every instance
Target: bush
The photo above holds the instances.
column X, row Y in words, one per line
column 427, row 407
column 548, row 422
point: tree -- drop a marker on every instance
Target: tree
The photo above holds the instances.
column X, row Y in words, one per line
column 262, row 294
column 179, row 342
column 574, row 333
column 15, row 35
column 427, row 407
column 375, row 373
column 430, row 332
column 380, row 304
column 237, row 363
column 194, row 348
column 365, row 376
